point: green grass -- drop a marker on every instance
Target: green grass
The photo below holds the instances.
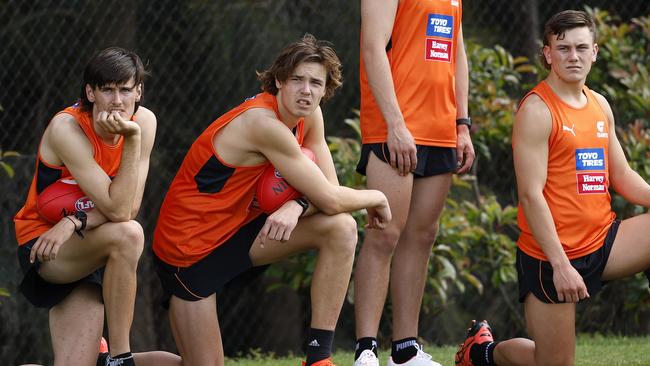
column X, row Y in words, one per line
column 591, row 351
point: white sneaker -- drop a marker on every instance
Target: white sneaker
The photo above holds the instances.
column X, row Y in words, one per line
column 420, row 359
column 367, row 358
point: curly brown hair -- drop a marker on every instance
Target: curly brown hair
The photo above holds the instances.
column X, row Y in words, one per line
column 562, row 22
column 307, row 49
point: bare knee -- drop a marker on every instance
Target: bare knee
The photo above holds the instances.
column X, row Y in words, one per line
column 128, row 240
column 383, row 242
column 425, row 235
column 340, row 234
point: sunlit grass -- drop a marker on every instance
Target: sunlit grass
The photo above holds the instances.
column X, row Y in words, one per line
column 591, row 351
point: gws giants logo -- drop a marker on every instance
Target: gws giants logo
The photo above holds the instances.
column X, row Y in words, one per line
column 600, row 127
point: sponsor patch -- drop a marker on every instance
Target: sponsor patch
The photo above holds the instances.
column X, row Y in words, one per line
column 590, row 159
column 591, row 183
column 438, row 50
column 439, row 25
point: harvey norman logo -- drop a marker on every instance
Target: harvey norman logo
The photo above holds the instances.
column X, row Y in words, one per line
column 591, row 183
column 438, row 50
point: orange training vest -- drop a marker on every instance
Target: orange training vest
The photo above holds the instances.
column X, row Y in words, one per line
column 29, row 224
column 577, row 182
column 422, row 59
column 209, row 200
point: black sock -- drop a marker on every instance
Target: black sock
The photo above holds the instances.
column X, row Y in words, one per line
column 483, row 354
column 364, row 344
column 319, row 345
column 125, row 359
column 404, row 349
column 101, row 359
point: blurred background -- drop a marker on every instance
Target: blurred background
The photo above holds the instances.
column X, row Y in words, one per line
column 203, row 55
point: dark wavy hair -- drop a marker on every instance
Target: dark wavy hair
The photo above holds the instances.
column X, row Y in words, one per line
column 307, row 49
column 113, row 65
column 562, row 22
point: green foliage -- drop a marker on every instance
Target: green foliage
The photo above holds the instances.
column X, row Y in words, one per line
column 621, row 72
column 6, row 167
column 495, row 88
column 591, row 350
column 474, row 244
column 495, row 76
column 635, row 141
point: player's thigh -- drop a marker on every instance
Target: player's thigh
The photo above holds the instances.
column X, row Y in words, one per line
column 195, row 328
column 552, row 327
column 312, row 232
column 381, row 176
column 428, row 200
column 79, row 257
column 630, row 252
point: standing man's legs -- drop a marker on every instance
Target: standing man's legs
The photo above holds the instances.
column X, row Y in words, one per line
column 409, row 269
column 372, row 271
column 416, row 205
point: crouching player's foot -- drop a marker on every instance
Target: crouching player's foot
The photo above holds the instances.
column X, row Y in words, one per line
column 325, row 362
column 478, row 348
column 125, row 359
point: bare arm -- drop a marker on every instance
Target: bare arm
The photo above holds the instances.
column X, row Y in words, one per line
column 464, row 147
column 377, row 19
column 315, row 141
column 530, row 149
column 113, row 198
column 623, row 179
column 147, row 121
column 272, row 139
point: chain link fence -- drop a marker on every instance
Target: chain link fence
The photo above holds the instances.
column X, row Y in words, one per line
column 202, row 56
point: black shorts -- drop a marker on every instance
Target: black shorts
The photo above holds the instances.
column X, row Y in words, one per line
column 45, row 294
column 432, row 160
column 536, row 276
column 211, row 273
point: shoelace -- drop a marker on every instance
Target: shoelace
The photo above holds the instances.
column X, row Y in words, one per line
column 421, row 353
column 367, row 358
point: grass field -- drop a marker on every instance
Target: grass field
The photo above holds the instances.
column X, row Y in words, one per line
column 591, row 351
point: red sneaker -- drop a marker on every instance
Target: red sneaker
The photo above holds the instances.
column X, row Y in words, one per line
column 325, row 362
column 478, row 333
